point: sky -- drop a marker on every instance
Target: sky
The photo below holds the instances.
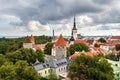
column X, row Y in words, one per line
column 40, row 17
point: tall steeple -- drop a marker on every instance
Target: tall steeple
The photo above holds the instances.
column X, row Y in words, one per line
column 74, row 30
column 74, row 24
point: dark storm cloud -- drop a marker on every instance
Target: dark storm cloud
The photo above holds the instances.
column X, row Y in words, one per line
column 49, row 10
column 102, row 1
column 52, row 11
column 111, row 16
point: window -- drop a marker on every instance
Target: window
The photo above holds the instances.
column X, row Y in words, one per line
column 40, row 74
column 47, row 65
column 45, row 72
column 116, row 64
column 64, row 68
column 59, row 70
column 44, row 66
column 49, row 70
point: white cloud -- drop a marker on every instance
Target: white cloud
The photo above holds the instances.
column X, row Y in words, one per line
column 33, row 15
column 37, row 26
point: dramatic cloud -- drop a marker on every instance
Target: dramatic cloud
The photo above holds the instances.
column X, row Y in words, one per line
column 43, row 15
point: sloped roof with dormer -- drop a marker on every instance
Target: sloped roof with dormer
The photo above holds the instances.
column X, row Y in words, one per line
column 54, row 63
column 60, row 41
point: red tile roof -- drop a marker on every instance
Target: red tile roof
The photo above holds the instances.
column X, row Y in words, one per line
column 81, row 41
column 115, row 37
column 79, row 53
column 60, row 41
column 29, row 39
column 39, row 46
column 32, row 38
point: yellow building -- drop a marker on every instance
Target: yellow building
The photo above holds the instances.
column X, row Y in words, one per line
column 44, row 72
column 43, row 69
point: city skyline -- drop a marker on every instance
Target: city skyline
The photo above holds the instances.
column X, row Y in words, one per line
column 40, row 17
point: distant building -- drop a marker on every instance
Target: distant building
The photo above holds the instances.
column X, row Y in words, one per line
column 54, row 38
column 29, row 42
column 74, row 35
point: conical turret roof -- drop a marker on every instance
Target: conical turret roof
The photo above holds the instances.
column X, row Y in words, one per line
column 60, row 41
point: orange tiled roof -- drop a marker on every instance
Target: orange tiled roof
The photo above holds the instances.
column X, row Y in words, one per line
column 81, row 41
column 39, row 46
column 32, row 38
column 29, row 39
column 79, row 53
column 60, row 41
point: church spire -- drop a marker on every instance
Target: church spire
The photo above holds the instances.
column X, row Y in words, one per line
column 74, row 24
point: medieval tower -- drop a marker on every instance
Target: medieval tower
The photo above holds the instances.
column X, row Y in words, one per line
column 59, row 48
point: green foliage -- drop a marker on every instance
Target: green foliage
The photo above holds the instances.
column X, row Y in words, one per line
column 18, row 71
column 42, row 39
column 96, row 45
column 3, row 59
column 10, row 44
column 111, row 56
column 26, row 54
column 77, row 47
column 102, row 40
column 117, row 47
column 40, row 55
column 42, row 78
column 90, row 68
column 48, row 48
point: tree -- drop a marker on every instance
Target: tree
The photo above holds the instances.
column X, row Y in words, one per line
column 18, row 71
column 7, row 71
column 111, row 56
column 25, row 72
column 96, row 45
column 48, row 48
column 53, row 76
column 90, row 68
column 3, row 48
column 40, row 55
column 117, row 47
column 102, row 40
column 3, row 59
column 42, row 39
column 77, row 47
column 22, row 54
